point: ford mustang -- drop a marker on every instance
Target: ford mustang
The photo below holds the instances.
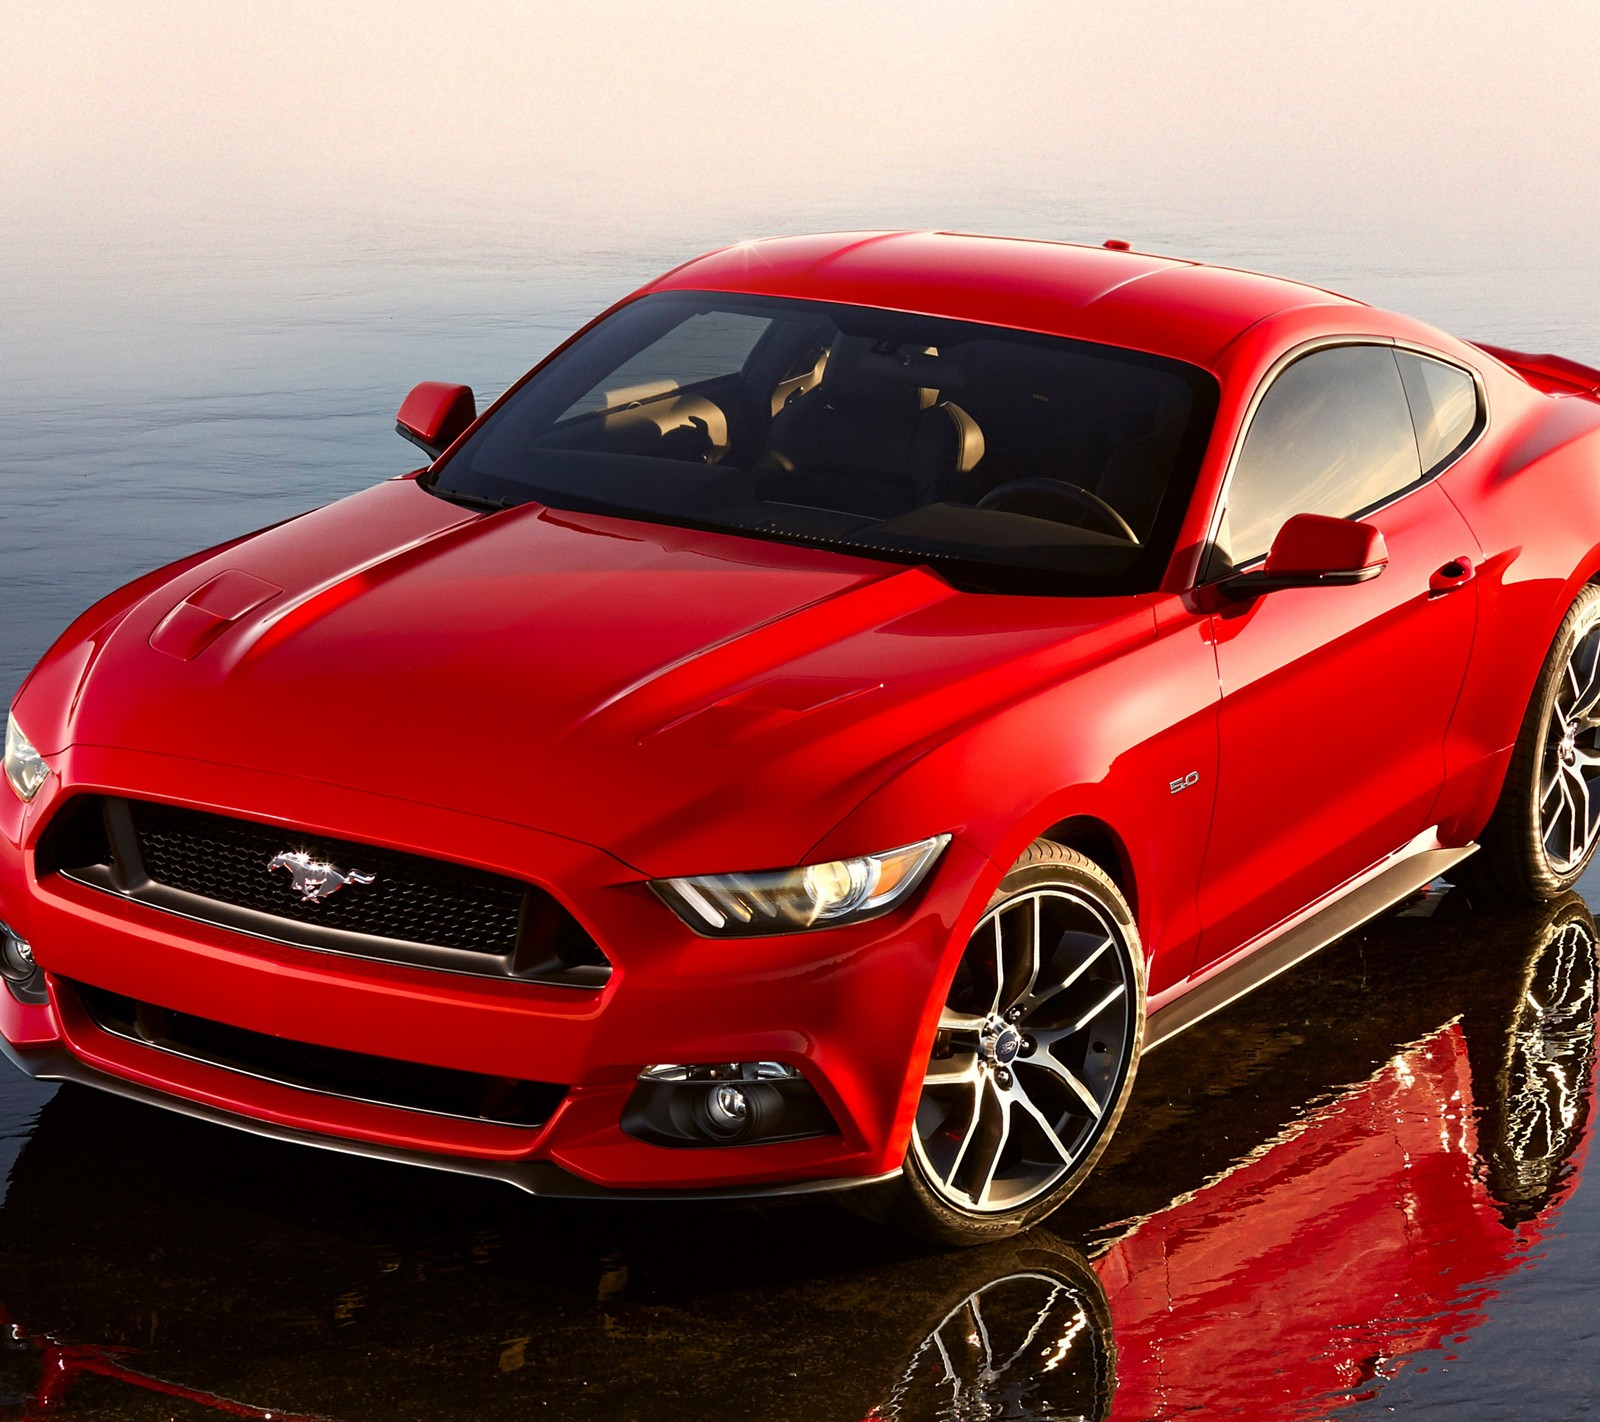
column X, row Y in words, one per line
column 818, row 728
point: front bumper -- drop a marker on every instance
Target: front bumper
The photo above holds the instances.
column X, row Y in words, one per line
column 853, row 1008
column 536, row 1177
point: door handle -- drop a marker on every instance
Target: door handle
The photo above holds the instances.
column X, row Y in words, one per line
column 1457, row 573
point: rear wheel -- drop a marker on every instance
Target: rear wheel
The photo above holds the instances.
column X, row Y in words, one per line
column 1034, row 1056
column 1546, row 826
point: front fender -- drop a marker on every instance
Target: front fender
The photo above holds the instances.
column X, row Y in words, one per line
column 1130, row 743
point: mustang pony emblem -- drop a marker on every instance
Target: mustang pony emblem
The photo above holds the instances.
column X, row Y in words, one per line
column 314, row 879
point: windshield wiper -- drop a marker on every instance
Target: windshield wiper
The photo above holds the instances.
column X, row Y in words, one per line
column 473, row 501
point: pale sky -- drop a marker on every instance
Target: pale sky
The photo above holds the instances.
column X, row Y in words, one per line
column 110, row 111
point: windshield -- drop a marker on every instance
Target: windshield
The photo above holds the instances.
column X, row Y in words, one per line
column 1006, row 461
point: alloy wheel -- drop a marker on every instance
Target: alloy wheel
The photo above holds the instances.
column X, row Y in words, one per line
column 1034, row 1043
column 1569, row 768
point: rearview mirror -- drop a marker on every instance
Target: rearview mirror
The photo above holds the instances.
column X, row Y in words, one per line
column 1313, row 551
column 434, row 416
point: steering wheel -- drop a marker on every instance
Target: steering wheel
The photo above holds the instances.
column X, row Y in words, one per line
column 1050, row 498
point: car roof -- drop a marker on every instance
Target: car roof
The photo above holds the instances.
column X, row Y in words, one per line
column 1187, row 310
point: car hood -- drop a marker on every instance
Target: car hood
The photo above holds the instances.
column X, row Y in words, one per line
column 634, row 686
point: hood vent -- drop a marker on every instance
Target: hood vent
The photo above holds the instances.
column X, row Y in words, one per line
column 196, row 622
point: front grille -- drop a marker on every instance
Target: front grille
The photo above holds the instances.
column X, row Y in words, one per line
column 410, row 899
column 402, row 908
column 329, row 1070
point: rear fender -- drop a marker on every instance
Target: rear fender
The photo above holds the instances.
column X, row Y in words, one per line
column 1531, row 493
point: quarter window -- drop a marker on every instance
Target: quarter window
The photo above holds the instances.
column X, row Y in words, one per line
column 1444, row 407
column 1332, row 436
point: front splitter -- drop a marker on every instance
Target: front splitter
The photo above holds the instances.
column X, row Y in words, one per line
column 535, row 1177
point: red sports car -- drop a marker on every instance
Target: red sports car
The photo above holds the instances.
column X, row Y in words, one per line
column 817, row 728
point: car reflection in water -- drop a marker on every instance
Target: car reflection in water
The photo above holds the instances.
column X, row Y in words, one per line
column 1033, row 1342
column 62, row 1366
column 1284, row 1265
column 1378, row 1224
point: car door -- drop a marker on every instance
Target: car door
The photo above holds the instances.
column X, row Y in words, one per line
column 1335, row 700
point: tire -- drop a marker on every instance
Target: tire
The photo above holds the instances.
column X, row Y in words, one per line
column 1034, row 1059
column 1546, row 824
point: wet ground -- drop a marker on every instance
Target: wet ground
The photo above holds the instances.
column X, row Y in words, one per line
column 1360, row 1188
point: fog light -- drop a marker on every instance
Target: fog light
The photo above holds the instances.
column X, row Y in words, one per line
column 22, row 975
column 724, row 1103
column 728, row 1111
column 16, row 957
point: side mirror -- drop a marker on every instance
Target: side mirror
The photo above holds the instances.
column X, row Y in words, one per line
column 434, row 415
column 1313, row 551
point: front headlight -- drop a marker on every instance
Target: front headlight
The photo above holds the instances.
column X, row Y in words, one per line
column 25, row 767
column 813, row 896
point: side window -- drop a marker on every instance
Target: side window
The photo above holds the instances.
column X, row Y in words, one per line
column 1332, row 436
column 1444, row 407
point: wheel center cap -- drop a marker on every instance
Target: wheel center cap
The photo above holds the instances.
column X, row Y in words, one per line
column 1000, row 1043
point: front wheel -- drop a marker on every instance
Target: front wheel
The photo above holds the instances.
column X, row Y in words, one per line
column 1034, row 1057
column 1547, row 823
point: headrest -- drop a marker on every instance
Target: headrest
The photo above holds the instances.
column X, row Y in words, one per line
column 917, row 368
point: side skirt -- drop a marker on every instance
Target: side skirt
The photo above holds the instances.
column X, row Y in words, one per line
column 1364, row 898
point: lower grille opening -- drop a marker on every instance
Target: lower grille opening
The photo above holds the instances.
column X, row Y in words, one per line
column 332, row 1071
